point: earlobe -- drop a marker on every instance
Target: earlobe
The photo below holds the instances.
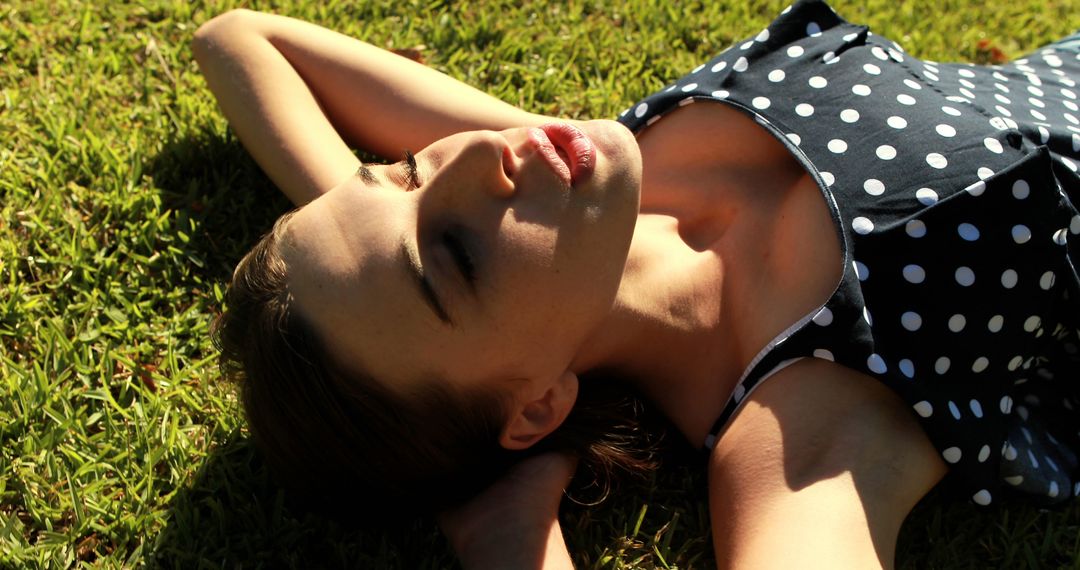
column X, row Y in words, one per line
column 536, row 417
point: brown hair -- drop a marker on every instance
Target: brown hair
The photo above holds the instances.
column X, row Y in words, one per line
column 341, row 441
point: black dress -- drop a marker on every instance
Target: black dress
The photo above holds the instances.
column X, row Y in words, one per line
column 952, row 189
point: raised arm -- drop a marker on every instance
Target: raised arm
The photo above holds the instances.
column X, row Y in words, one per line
column 299, row 95
column 818, row 470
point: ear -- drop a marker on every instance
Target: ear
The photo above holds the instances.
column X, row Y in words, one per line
column 535, row 418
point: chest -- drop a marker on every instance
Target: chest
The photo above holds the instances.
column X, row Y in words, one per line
column 738, row 197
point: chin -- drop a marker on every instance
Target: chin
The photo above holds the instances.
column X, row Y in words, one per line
column 618, row 165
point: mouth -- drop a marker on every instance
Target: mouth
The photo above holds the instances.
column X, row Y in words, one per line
column 569, row 152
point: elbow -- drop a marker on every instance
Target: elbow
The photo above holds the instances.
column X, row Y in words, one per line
column 219, row 28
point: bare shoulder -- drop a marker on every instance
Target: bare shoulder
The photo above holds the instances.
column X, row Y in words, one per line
column 822, row 459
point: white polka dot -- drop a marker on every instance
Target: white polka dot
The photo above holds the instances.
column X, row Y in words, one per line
column 740, row 391
column 1074, row 225
column 952, row 454
column 1002, row 110
column 957, row 323
column 911, row 321
column 924, row 409
column 1008, row 278
column 995, row 323
column 999, row 123
column 951, row 111
column 1020, row 189
column 824, row 354
column 879, row 53
column 824, row 317
column 984, row 453
column 976, row 189
column 860, row 89
column 968, row 232
column 1015, row 363
column 979, row 365
column 721, row 94
column 1009, row 452
column 896, row 122
column 896, row 55
column 763, row 35
column 795, row 51
column 718, row 67
column 1044, row 134
column 1047, row 280
column 862, row 226
column 982, row 498
column 849, row 115
column 804, row 109
column 953, row 409
column 965, row 276
column 1006, row 404
column 915, row 228
column 1002, row 99
column 983, row 173
column 993, row 145
column 1053, row 490
column 936, row 160
column 777, row 75
column 741, row 65
column 914, row 273
column 965, row 73
column 818, row 82
column 866, row 316
column 1021, row 233
column 926, row 196
column 907, row 367
column 813, row 29
column 941, row 365
column 761, row 103
column 874, row 187
column 1061, row 236
column 1036, row 102
column 689, row 87
column 945, row 130
column 828, row 178
column 1032, row 323
column 1075, row 142
column 876, row 364
column 861, row 270
column 905, row 99
column 930, row 75
column 1038, row 116
column 794, row 138
column 837, row 146
column 886, row 152
column 872, row 69
column 745, row 46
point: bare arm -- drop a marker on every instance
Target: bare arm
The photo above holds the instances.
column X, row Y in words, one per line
column 819, row 469
column 298, row 95
column 515, row 523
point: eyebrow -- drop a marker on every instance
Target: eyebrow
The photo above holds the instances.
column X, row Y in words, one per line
column 366, row 174
column 416, row 272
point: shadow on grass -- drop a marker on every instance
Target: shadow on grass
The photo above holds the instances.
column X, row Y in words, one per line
column 220, row 201
column 232, row 515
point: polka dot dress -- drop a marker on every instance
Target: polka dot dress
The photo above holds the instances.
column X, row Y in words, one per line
column 952, row 189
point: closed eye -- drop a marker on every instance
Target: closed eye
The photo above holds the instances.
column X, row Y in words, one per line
column 411, row 173
column 461, row 257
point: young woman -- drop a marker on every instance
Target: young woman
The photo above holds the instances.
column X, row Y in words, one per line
column 842, row 271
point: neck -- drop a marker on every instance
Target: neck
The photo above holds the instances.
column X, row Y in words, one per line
column 666, row 328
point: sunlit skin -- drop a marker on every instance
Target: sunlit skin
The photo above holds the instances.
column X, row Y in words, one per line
column 547, row 260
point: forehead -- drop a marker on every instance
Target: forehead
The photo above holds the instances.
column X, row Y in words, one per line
column 346, row 279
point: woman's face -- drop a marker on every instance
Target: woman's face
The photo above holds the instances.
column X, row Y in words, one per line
column 496, row 266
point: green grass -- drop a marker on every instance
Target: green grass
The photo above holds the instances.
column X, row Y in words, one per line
column 125, row 202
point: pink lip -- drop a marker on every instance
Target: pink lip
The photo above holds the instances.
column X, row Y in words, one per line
column 575, row 146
